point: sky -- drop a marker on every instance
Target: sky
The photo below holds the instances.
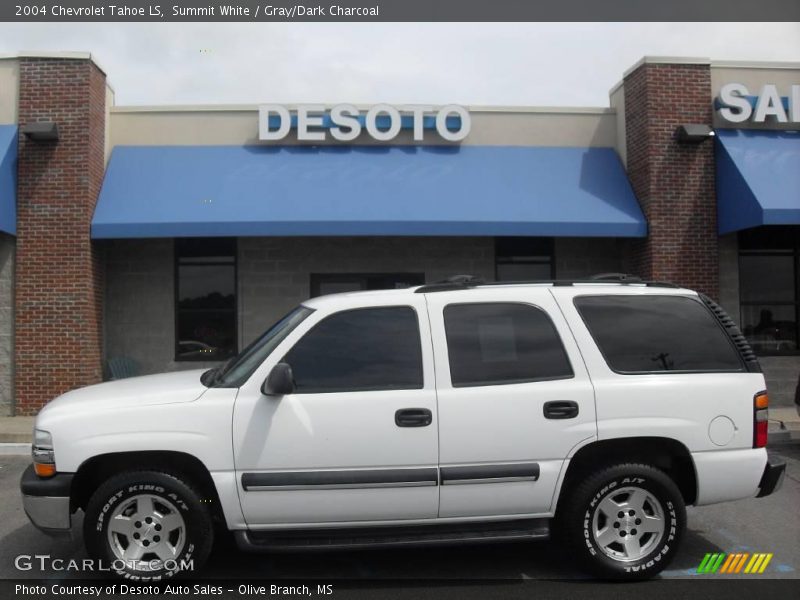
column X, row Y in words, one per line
column 528, row 64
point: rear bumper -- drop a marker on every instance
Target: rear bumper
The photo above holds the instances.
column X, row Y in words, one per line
column 772, row 479
column 47, row 501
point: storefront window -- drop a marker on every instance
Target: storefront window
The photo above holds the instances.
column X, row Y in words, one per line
column 205, row 314
column 523, row 259
column 768, row 288
column 335, row 283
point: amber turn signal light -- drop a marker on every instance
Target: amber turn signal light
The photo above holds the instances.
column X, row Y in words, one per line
column 44, row 469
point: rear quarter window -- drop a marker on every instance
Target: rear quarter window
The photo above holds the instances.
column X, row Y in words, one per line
column 658, row 334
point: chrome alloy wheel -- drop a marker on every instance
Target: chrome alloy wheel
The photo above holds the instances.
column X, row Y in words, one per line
column 146, row 528
column 628, row 524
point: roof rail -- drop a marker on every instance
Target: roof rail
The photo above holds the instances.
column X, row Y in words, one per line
column 617, row 277
column 456, row 282
column 632, row 281
column 464, row 282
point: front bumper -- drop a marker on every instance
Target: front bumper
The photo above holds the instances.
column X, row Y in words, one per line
column 47, row 501
column 772, row 479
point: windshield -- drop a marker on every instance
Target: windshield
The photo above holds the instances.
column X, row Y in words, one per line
column 236, row 371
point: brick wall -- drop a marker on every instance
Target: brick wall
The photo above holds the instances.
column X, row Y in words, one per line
column 674, row 182
column 140, row 304
column 58, row 314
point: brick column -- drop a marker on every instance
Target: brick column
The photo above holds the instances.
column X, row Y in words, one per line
column 58, row 272
column 673, row 182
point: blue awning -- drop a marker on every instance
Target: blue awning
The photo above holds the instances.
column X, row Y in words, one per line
column 8, row 179
column 758, row 179
column 182, row 191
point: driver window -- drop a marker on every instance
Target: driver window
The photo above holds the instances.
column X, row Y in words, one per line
column 360, row 350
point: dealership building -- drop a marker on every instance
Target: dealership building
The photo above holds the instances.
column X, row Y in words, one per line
column 142, row 239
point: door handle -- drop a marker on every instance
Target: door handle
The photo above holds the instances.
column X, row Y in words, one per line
column 413, row 417
column 560, row 409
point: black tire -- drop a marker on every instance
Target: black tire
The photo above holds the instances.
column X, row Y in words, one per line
column 576, row 522
column 168, row 493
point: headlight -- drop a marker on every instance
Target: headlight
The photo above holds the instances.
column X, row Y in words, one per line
column 44, row 460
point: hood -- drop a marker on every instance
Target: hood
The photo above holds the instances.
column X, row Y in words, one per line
column 165, row 388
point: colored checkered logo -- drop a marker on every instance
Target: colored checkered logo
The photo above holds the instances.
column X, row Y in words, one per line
column 741, row 562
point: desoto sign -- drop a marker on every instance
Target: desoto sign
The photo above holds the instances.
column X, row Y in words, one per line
column 736, row 105
column 345, row 122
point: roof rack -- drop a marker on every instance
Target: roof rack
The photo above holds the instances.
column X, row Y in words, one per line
column 465, row 282
column 456, row 282
column 617, row 277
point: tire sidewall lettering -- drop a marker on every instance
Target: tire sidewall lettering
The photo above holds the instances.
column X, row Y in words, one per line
column 666, row 545
column 132, row 490
column 109, row 504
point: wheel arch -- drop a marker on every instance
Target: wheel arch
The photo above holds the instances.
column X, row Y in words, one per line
column 97, row 469
column 667, row 454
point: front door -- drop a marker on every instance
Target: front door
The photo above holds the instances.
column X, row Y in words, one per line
column 514, row 399
column 357, row 440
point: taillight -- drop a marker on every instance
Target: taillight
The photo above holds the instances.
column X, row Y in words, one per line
column 760, row 419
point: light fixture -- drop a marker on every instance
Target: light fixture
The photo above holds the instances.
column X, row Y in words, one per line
column 41, row 131
column 693, row 133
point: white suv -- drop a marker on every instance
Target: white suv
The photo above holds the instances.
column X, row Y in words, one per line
column 447, row 413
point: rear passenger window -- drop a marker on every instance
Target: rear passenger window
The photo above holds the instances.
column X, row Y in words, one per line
column 360, row 350
column 501, row 343
column 653, row 334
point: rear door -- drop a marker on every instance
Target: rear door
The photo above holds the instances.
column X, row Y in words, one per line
column 514, row 398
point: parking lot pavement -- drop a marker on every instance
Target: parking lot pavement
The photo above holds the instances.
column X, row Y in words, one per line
column 769, row 524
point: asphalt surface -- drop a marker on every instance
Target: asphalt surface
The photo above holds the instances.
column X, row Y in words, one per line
column 769, row 524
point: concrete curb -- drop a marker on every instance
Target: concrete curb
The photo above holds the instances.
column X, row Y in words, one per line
column 784, row 437
column 7, row 449
column 15, row 438
column 16, row 430
column 784, row 425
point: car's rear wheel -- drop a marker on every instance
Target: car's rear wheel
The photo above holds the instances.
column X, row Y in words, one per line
column 624, row 522
column 148, row 525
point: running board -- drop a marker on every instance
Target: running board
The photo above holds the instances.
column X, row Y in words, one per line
column 392, row 536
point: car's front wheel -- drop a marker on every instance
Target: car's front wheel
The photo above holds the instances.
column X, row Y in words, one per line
column 624, row 522
column 147, row 525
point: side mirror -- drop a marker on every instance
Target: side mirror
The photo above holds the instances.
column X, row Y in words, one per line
column 280, row 381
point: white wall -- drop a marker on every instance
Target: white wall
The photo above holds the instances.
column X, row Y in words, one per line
column 9, row 90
